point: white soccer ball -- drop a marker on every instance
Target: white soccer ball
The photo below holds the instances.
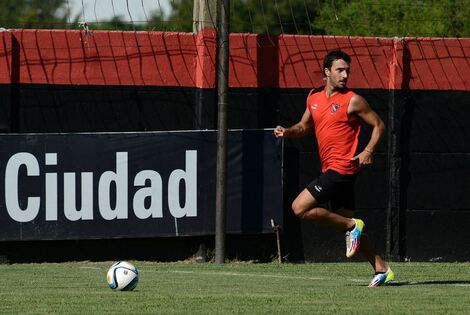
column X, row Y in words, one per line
column 122, row 276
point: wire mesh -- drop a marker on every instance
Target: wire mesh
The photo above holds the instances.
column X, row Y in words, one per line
column 375, row 18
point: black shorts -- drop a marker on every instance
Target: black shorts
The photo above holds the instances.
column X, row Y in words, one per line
column 334, row 188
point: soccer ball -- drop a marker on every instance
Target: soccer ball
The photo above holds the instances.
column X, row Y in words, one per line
column 122, row 276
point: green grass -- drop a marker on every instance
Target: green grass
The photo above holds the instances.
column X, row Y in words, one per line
column 235, row 288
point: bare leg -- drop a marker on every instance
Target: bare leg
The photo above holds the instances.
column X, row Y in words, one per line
column 367, row 251
column 366, row 247
column 306, row 207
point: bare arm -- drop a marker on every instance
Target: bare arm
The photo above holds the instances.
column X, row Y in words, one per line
column 300, row 129
column 359, row 106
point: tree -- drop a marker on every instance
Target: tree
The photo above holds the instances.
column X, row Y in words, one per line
column 388, row 18
column 395, row 18
column 34, row 14
column 179, row 19
column 275, row 16
column 445, row 18
column 256, row 16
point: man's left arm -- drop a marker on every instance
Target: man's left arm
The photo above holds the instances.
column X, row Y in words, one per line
column 359, row 106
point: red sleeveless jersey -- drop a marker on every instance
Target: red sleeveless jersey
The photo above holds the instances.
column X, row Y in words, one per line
column 336, row 132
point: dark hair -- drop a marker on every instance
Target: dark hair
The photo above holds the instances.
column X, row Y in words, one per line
column 334, row 55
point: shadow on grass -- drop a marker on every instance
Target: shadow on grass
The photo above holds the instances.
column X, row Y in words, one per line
column 431, row 282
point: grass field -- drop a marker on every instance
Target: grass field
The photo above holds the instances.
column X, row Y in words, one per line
column 235, row 288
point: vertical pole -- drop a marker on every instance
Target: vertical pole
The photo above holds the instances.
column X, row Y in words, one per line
column 15, row 95
column 277, row 230
column 394, row 163
column 205, row 14
column 392, row 176
column 205, row 19
column 222, row 90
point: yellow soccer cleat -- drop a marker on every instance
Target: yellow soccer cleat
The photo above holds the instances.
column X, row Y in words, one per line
column 353, row 238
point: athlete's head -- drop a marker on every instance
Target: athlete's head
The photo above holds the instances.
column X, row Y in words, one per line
column 336, row 68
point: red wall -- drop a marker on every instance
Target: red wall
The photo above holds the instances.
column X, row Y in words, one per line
column 183, row 59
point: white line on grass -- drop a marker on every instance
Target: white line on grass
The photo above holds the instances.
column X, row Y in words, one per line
column 238, row 274
column 224, row 273
column 87, row 267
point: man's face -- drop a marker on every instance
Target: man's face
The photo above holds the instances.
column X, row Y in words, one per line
column 338, row 75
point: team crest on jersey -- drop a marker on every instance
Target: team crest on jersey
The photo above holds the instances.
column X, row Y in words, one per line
column 334, row 108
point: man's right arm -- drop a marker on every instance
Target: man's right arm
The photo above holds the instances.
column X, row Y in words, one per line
column 300, row 129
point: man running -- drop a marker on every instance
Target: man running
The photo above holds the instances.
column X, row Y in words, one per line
column 335, row 113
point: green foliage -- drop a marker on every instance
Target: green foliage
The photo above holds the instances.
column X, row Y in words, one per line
column 274, row 17
column 33, row 14
column 449, row 18
column 181, row 17
column 388, row 18
column 116, row 23
column 236, row 288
